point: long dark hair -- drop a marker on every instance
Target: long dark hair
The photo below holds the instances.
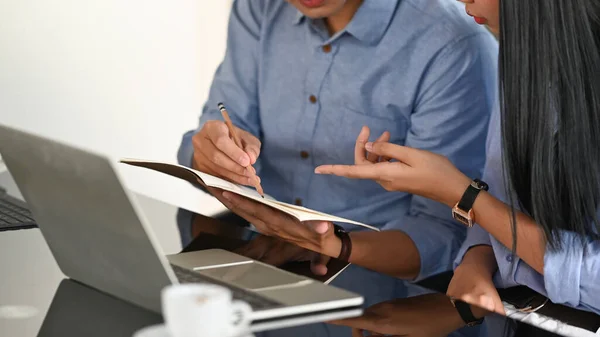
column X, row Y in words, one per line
column 550, row 103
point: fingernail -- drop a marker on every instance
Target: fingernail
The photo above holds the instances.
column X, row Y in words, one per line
column 253, row 157
column 318, row 170
column 369, row 146
column 226, row 195
column 244, row 161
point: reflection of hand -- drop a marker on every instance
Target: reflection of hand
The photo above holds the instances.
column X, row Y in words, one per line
column 415, row 171
column 277, row 252
column 217, row 154
column 472, row 283
column 431, row 315
column 317, row 236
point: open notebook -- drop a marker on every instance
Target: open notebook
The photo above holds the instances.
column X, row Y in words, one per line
column 196, row 177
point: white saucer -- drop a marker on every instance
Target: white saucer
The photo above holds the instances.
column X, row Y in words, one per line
column 160, row 330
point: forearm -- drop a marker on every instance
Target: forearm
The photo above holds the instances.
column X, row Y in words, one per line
column 495, row 217
column 389, row 252
column 481, row 257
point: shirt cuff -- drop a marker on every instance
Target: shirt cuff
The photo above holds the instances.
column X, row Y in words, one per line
column 476, row 236
column 185, row 154
column 436, row 240
column 562, row 270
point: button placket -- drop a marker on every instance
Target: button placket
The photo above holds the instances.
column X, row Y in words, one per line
column 322, row 59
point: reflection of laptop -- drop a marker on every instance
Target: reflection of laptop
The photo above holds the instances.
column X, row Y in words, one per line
column 78, row 310
column 99, row 237
column 212, row 233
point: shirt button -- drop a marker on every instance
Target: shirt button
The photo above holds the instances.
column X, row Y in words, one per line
column 327, row 48
column 303, row 154
column 509, row 258
column 312, row 99
column 298, row 202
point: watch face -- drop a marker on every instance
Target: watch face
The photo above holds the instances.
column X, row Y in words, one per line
column 462, row 216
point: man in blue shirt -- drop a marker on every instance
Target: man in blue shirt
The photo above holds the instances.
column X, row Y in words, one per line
column 301, row 77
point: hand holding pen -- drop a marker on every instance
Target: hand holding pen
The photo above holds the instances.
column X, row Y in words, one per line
column 217, row 153
column 238, row 142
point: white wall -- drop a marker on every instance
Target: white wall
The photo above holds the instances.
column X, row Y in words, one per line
column 123, row 78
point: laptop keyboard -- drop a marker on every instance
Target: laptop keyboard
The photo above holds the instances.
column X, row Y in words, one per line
column 13, row 216
column 256, row 301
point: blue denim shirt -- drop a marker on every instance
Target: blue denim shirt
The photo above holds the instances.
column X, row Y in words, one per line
column 421, row 69
column 571, row 275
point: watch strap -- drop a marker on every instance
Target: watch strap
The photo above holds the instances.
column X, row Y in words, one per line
column 346, row 249
column 468, row 198
column 464, row 310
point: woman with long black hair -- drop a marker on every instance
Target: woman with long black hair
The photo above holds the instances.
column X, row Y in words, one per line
column 537, row 224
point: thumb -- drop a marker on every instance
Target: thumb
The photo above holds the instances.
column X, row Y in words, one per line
column 499, row 307
column 320, row 227
column 487, row 303
column 318, row 264
column 401, row 153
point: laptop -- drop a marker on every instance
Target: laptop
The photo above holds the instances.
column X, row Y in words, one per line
column 99, row 237
column 14, row 213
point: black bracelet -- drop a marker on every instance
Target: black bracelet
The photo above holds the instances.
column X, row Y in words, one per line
column 346, row 249
column 464, row 310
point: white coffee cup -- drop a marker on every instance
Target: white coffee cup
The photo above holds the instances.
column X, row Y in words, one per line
column 203, row 310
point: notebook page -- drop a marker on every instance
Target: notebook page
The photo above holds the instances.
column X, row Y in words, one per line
column 209, row 180
column 306, row 214
column 216, row 182
column 300, row 213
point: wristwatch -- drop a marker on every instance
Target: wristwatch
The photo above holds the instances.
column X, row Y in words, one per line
column 464, row 310
column 346, row 250
column 463, row 210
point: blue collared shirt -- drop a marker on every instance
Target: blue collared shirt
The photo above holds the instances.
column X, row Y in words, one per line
column 571, row 275
column 420, row 69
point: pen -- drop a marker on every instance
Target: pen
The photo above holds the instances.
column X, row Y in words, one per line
column 238, row 142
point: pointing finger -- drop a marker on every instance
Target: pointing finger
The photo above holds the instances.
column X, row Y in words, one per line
column 374, row 172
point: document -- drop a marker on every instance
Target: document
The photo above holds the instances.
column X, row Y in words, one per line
column 196, row 177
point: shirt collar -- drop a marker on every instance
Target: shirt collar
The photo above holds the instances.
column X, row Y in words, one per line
column 370, row 21
column 298, row 18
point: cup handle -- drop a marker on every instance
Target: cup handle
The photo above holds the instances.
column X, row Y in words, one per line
column 240, row 322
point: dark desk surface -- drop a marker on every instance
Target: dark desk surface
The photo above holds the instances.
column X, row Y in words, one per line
column 37, row 300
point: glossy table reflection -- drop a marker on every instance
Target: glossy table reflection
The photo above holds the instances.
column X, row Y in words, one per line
column 37, row 300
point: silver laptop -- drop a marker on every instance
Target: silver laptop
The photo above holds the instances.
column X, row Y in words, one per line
column 99, row 237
